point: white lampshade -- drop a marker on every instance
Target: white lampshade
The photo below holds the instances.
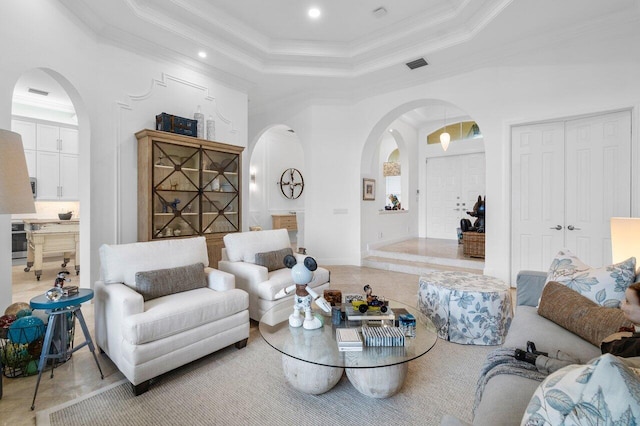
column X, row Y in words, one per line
column 445, row 138
column 15, row 190
column 625, row 238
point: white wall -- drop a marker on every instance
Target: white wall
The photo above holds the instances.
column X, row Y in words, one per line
column 116, row 93
column 584, row 77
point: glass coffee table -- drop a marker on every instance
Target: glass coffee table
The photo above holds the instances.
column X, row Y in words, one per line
column 312, row 363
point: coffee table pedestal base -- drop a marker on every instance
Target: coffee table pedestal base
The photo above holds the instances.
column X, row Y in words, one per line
column 380, row 382
column 310, row 378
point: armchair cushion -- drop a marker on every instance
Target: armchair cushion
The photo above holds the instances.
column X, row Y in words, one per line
column 161, row 318
column 162, row 282
column 273, row 260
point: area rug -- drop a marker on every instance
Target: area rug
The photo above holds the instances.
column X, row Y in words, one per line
column 246, row 387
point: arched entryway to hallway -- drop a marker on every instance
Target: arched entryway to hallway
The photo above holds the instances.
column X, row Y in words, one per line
column 276, row 172
column 405, row 233
column 50, row 114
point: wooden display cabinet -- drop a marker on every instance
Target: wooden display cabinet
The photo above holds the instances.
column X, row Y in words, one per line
column 187, row 187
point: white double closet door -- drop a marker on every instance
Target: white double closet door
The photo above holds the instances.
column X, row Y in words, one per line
column 568, row 179
column 453, row 185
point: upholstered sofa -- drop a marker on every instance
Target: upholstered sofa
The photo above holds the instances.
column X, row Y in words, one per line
column 256, row 260
column 505, row 397
column 158, row 306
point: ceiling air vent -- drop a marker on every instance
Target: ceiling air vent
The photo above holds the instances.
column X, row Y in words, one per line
column 417, row 63
column 38, row 92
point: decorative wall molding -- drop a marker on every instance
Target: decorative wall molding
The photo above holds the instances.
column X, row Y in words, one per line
column 163, row 82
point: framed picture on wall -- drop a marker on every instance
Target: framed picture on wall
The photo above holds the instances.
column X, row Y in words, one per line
column 368, row 189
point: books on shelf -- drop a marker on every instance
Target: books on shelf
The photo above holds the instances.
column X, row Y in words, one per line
column 348, row 339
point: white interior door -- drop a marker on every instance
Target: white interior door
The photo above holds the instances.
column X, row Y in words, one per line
column 537, row 199
column 568, row 179
column 453, row 186
column 598, row 183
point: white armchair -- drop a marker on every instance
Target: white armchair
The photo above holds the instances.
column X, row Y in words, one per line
column 239, row 259
column 148, row 338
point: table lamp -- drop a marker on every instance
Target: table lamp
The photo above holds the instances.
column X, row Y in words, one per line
column 625, row 238
column 15, row 190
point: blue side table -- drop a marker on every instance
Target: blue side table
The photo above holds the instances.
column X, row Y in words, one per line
column 56, row 338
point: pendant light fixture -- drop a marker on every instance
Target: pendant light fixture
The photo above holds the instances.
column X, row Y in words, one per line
column 445, row 138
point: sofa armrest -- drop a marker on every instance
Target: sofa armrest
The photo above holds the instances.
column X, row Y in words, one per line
column 246, row 274
column 220, row 280
column 529, row 287
column 113, row 303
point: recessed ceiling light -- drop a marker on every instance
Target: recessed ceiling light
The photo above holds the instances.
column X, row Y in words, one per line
column 202, row 54
column 314, row 13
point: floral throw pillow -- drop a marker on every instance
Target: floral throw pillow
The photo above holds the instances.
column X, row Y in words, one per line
column 604, row 392
column 605, row 286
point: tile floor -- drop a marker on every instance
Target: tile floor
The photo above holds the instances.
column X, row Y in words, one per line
column 80, row 375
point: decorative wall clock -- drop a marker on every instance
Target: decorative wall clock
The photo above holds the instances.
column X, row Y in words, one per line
column 291, row 183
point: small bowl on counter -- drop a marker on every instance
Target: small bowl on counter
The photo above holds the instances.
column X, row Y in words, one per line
column 65, row 216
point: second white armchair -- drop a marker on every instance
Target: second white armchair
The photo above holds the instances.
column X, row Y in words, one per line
column 256, row 260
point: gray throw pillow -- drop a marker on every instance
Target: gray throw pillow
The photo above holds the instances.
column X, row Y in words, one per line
column 162, row 282
column 273, row 260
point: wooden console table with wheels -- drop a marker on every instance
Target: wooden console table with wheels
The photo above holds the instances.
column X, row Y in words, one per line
column 52, row 236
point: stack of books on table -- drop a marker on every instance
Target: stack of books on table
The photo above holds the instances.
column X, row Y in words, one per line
column 383, row 336
column 348, row 339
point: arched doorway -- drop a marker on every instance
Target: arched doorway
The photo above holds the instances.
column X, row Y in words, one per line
column 276, row 151
column 412, row 123
column 49, row 114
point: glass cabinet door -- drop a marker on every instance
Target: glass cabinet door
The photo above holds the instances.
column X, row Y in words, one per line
column 220, row 192
column 176, row 183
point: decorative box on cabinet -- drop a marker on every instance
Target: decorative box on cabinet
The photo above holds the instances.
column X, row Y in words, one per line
column 187, row 187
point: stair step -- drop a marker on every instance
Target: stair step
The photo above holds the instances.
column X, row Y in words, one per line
column 470, row 263
column 413, row 267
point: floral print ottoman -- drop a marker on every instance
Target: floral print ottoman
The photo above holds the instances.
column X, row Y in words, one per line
column 466, row 308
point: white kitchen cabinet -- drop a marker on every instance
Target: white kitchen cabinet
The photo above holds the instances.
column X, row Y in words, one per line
column 30, row 156
column 54, row 138
column 51, row 152
column 57, row 176
column 26, row 129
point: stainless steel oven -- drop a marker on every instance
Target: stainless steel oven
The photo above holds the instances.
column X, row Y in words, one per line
column 18, row 241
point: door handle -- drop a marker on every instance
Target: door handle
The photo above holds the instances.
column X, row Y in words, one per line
column 571, row 228
column 557, row 227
